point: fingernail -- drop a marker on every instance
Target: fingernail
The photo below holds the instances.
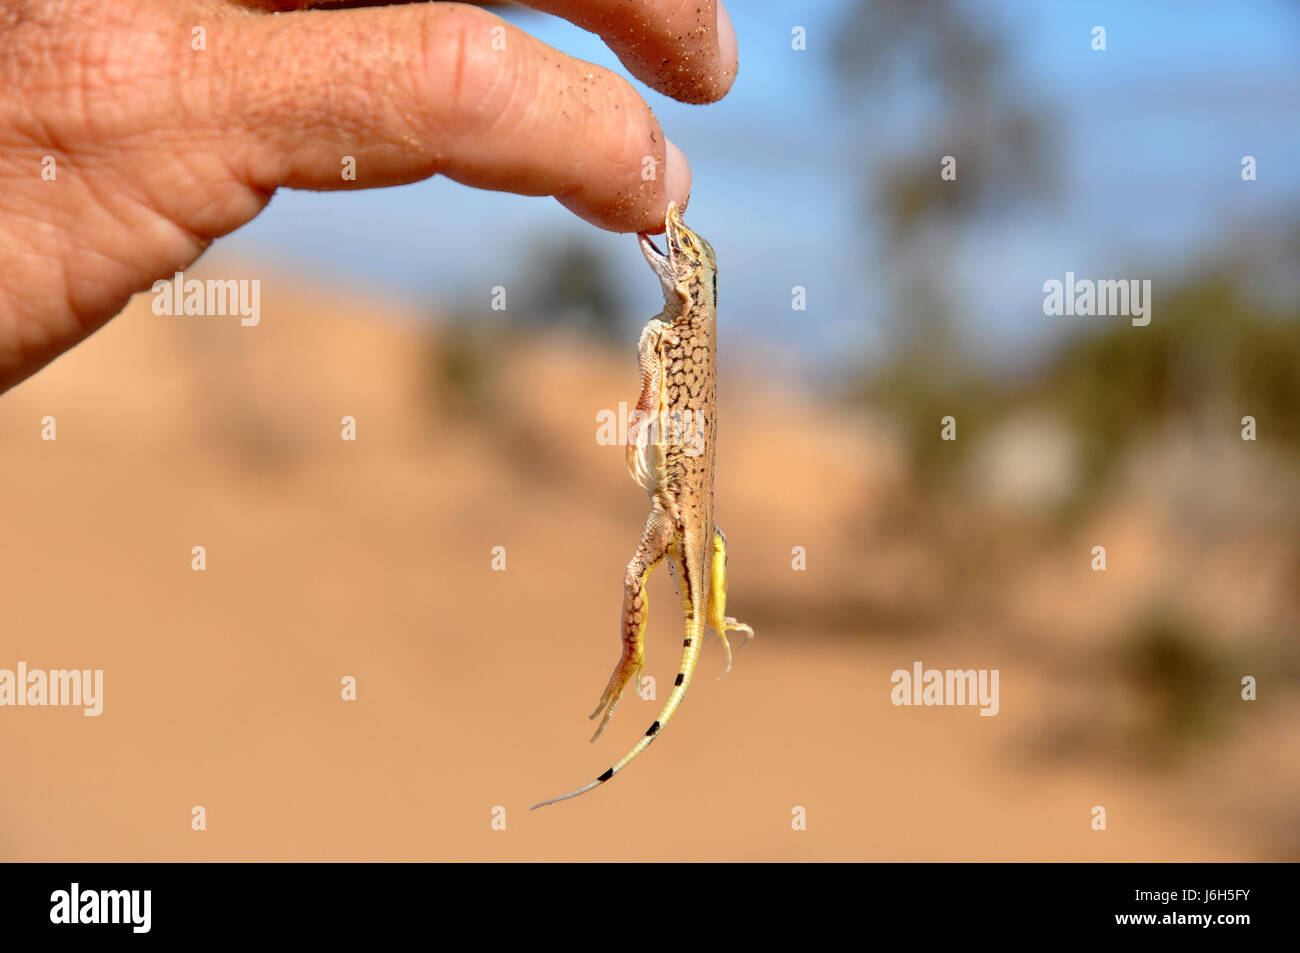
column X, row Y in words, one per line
column 677, row 175
column 728, row 50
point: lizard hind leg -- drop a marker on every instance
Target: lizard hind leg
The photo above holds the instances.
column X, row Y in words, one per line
column 719, row 621
column 636, row 613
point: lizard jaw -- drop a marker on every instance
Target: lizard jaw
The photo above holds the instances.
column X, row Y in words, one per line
column 659, row 262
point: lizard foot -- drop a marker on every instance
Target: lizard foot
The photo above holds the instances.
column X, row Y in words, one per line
column 731, row 625
column 627, row 670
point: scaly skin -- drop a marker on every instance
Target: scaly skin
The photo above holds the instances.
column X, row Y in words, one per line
column 674, row 462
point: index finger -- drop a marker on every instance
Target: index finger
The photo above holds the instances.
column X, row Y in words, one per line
column 685, row 49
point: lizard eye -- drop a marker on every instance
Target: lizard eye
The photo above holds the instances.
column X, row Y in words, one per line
column 687, row 243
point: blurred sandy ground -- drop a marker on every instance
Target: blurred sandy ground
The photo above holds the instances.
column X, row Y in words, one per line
column 372, row 559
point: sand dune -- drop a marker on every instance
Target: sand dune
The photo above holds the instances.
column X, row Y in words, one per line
column 372, row 559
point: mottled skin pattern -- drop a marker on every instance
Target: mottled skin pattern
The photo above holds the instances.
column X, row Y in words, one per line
column 671, row 454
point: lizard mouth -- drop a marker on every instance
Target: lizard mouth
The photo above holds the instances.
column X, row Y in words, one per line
column 667, row 265
column 650, row 249
column 660, row 262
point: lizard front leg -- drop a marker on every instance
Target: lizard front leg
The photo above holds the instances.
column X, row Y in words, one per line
column 650, row 363
column 655, row 539
column 718, row 618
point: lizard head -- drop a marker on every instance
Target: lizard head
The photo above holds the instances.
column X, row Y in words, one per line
column 688, row 254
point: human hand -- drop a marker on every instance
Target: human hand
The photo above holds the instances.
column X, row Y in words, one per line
column 168, row 123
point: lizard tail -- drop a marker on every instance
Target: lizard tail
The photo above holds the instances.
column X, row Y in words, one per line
column 690, row 655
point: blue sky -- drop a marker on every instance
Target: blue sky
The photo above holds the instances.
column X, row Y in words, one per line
column 1148, row 137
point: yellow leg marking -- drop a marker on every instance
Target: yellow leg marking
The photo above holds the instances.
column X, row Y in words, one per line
column 719, row 621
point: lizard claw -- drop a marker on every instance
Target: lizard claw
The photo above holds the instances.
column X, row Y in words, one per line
column 628, row 670
column 731, row 625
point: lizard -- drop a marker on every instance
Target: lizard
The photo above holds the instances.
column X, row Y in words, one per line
column 671, row 454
